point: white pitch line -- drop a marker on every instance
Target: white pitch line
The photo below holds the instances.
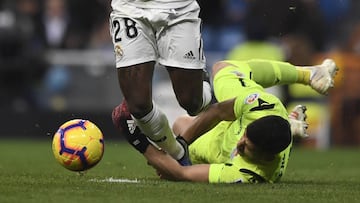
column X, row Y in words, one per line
column 115, row 180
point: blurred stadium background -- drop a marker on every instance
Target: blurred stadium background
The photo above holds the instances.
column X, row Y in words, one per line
column 57, row 61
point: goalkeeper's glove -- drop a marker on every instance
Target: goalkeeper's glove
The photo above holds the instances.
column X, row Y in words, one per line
column 297, row 120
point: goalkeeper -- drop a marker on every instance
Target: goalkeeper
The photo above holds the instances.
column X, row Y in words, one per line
column 247, row 136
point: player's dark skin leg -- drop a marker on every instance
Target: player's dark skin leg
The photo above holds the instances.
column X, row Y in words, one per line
column 136, row 85
column 188, row 87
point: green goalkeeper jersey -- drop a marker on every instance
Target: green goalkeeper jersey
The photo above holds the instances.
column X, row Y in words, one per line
column 252, row 102
column 249, row 106
column 238, row 170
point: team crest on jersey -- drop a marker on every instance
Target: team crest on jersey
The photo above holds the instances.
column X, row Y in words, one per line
column 238, row 74
column 118, row 51
column 251, row 98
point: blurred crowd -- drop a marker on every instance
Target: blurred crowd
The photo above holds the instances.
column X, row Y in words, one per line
column 298, row 31
column 29, row 28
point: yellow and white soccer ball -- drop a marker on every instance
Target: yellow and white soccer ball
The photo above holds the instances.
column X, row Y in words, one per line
column 78, row 145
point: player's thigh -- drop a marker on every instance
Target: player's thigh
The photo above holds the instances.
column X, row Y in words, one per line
column 133, row 39
column 136, row 86
column 187, row 85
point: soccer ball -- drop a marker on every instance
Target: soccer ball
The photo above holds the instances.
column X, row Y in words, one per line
column 78, row 145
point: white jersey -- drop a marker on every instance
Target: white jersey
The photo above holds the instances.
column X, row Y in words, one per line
column 167, row 4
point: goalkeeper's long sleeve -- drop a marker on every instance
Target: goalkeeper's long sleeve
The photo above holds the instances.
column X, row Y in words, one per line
column 268, row 73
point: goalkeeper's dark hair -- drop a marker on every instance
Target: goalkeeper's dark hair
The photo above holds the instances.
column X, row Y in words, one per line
column 271, row 134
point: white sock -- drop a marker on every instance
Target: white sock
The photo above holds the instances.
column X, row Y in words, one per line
column 156, row 127
column 206, row 95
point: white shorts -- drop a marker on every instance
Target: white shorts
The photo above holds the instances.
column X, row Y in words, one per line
column 171, row 37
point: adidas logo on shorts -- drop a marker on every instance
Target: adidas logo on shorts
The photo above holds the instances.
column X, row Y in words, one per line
column 189, row 55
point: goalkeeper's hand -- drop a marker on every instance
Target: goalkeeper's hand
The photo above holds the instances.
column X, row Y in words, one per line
column 297, row 120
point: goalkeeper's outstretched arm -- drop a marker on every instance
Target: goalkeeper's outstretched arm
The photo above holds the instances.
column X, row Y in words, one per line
column 169, row 169
column 268, row 73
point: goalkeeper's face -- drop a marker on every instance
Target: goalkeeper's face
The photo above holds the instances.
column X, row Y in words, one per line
column 246, row 148
column 249, row 151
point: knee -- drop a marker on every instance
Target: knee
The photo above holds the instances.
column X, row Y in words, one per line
column 191, row 104
column 181, row 123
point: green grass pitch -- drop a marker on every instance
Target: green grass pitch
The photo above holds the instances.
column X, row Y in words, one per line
column 29, row 173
